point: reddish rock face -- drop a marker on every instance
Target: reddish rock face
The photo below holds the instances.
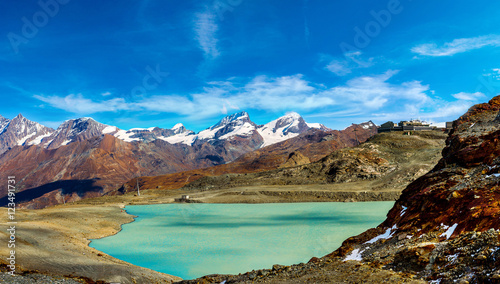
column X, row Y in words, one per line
column 464, row 187
column 445, row 225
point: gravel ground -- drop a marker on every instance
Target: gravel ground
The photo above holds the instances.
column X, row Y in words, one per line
column 35, row 278
column 324, row 270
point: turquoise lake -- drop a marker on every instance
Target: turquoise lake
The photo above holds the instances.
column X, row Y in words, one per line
column 192, row 240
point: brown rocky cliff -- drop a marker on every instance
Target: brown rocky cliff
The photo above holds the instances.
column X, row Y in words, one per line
column 463, row 188
column 445, row 225
column 295, row 159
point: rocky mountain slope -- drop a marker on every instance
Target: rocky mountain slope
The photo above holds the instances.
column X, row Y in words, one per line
column 313, row 144
column 84, row 158
column 448, row 220
column 445, row 227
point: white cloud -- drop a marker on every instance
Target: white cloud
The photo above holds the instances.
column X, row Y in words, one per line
column 469, row 96
column 206, row 28
column 457, row 46
column 435, row 110
column 338, row 67
column 80, row 105
column 366, row 97
column 224, row 109
column 452, row 109
column 345, row 65
column 375, row 92
column 277, row 94
column 261, row 92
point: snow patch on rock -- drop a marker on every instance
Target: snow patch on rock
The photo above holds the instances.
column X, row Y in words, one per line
column 354, row 255
column 387, row 234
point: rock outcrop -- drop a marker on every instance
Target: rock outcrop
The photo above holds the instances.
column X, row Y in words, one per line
column 445, row 226
column 295, row 159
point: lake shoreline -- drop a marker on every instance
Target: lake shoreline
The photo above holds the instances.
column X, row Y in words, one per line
column 84, row 261
column 236, row 232
column 55, row 241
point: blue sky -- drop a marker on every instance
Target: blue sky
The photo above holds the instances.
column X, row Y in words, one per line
column 157, row 63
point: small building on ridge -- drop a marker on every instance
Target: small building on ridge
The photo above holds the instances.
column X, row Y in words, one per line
column 412, row 125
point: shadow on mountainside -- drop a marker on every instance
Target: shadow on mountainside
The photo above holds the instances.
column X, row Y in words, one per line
column 68, row 187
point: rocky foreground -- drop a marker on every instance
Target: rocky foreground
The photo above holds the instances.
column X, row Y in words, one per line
column 443, row 229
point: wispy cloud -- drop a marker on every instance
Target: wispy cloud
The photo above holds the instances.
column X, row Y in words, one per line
column 375, row 92
column 344, row 66
column 80, row 105
column 361, row 98
column 456, row 46
column 261, row 92
column 206, row 28
column 440, row 112
column 275, row 94
column 469, row 96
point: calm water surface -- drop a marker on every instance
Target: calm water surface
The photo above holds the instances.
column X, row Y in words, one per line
column 192, row 240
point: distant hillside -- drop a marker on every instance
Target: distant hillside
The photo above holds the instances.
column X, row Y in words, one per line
column 387, row 160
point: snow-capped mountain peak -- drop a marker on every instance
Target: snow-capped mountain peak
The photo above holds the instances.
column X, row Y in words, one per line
column 368, row 124
column 3, row 123
column 74, row 127
column 288, row 126
column 179, row 128
column 318, row 126
column 21, row 131
column 74, row 130
column 25, row 132
column 237, row 124
column 292, row 115
column 240, row 117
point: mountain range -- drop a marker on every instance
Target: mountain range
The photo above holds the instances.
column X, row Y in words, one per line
column 22, row 132
column 84, row 158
